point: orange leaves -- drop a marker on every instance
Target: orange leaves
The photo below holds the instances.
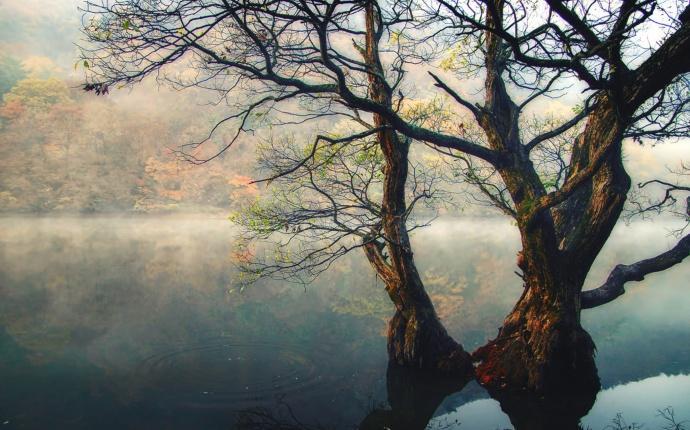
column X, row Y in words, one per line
column 243, row 187
column 12, row 109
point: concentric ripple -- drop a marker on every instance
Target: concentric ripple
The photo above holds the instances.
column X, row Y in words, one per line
column 224, row 373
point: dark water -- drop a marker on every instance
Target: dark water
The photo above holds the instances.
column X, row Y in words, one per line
column 135, row 323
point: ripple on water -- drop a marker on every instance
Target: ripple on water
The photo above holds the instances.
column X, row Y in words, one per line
column 222, row 373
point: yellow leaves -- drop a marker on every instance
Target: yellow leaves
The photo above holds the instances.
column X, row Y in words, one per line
column 38, row 94
column 430, row 113
column 454, row 60
column 457, row 58
column 398, row 37
column 447, row 63
column 259, row 218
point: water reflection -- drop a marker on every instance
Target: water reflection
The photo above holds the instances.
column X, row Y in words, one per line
column 225, row 372
column 413, row 398
column 640, row 402
column 557, row 411
column 132, row 323
column 637, row 403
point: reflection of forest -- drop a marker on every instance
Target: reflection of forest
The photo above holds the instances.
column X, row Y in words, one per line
column 120, row 287
column 122, row 273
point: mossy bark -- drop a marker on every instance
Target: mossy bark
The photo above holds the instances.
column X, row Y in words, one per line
column 417, row 338
column 541, row 347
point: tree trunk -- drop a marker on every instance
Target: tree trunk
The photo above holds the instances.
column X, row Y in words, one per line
column 541, row 344
column 541, row 347
column 416, row 337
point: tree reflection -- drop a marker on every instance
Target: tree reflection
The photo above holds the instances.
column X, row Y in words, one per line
column 414, row 396
column 556, row 411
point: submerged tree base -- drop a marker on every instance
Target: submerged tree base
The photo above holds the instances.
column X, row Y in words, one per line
column 418, row 340
column 556, row 360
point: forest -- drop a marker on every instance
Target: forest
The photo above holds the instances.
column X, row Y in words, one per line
column 66, row 152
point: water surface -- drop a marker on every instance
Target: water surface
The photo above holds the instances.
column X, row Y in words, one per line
column 116, row 322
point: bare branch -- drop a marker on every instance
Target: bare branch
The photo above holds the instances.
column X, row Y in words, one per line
column 469, row 106
column 621, row 274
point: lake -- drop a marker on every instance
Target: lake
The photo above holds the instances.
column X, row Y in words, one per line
column 135, row 322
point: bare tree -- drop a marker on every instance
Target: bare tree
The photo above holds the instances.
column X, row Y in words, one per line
column 291, row 62
column 632, row 91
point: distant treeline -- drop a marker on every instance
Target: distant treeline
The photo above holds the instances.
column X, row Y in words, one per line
column 67, row 151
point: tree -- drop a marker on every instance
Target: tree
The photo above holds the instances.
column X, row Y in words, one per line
column 285, row 63
column 634, row 91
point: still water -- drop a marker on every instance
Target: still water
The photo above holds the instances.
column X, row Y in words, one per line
column 134, row 323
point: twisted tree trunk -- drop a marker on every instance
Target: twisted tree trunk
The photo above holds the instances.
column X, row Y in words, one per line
column 416, row 336
column 541, row 346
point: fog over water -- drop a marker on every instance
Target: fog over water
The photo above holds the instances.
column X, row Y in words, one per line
column 133, row 322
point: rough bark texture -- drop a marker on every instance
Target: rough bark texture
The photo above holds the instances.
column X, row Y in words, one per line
column 416, row 336
column 541, row 346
